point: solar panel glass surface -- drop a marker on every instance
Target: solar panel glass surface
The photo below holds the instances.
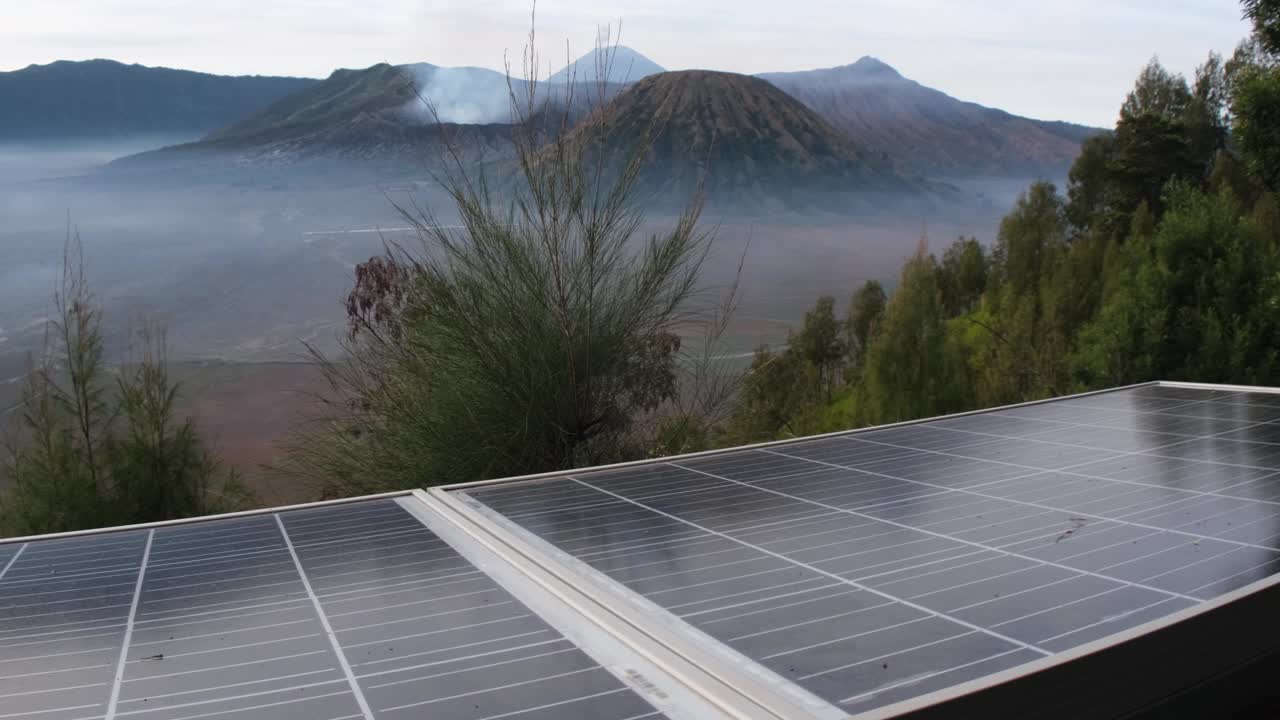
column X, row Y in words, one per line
column 338, row 612
column 876, row 566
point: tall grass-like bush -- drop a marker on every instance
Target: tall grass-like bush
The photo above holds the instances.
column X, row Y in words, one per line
column 87, row 449
column 541, row 331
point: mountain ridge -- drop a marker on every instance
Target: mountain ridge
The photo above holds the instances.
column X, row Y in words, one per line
column 109, row 99
column 741, row 140
column 933, row 132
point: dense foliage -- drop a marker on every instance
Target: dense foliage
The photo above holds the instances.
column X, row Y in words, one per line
column 86, row 451
column 537, row 334
column 1160, row 261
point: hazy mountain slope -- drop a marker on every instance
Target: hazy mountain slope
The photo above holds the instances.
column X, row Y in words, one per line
column 619, row 65
column 752, row 142
column 347, row 101
column 106, row 99
column 377, row 116
column 933, row 133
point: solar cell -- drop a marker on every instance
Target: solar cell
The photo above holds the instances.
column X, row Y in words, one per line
column 875, row 566
column 334, row 613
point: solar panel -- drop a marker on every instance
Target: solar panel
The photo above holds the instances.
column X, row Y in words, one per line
column 335, row 613
column 877, row 566
column 905, row 569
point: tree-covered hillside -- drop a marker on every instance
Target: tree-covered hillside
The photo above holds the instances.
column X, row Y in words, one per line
column 1159, row 260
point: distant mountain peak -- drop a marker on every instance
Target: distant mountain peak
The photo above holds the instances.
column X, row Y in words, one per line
column 871, row 65
column 740, row 140
column 624, row 66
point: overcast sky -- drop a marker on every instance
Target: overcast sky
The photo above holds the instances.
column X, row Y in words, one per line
column 1061, row 60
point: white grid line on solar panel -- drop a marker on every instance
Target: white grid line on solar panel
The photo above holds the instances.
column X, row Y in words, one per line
column 842, row 592
column 524, row 711
column 119, row 616
column 462, row 671
column 255, row 528
column 230, row 666
column 877, row 658
column 345, row 517
column 60, row 654
column 1115, row 454
column 1145, row 452
column 59, row 709
column 214, row 688
column 419, row 584
column 896, row 572
column 232, row 556
column 155, row 596
column 109, row 543
column 1242, row 526
column 50, row 572
column 837, row 577
column 53, row 602
column 1075, row 574
column 1016, row 415
column 222, row 633
column 559, row 507
column 1214, row 408
column 187, row 534
column 131, row 551
column 237, row 555
column 128, row 630
column 594, row 668
column 441, row 631
column 400, row 522
column 997, row 497
column 324, row 622
column 1058, row 608
column 262, row 706
column 921, row 678
column 405, row 553
column 811, row 621
column 217, row 531
column 1090, row 490
column 221, row 549
column 252, row 602
column 366, row 542
column 58, row 671
column 710, row 500
column 1072, row 576
column 447, row 574
column 752, row 591
column 627, row 522
column 491, row 590
column 341, row 514
column 1109, row 620
column 451, row 648
column 213, row 615
column 51, row 690
column 241, row 696
column 227, row 648
column 737, row 510
column 1032, row 472
column 1184, row 567
column 488, row 606
column 939, row 535
column 1221, row 581
column 986, row 557
column 13, row 559
column 447, row 661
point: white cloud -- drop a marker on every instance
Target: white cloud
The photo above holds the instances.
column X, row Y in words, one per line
column 1070, row 61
